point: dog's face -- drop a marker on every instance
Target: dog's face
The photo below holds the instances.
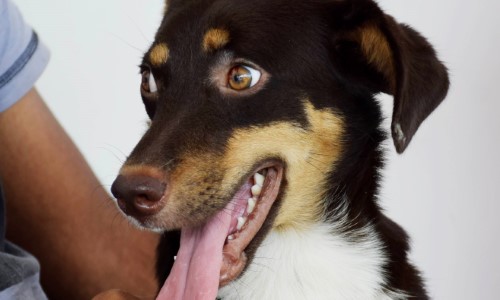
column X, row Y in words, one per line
column 223, row 109
column 254, row 107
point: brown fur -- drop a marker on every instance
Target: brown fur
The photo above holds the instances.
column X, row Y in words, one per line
column 313, row 112
column 377, row 51
column 142, row 169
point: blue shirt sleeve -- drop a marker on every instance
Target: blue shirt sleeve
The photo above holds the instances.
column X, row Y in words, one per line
column 22, row 60
column 22, row 56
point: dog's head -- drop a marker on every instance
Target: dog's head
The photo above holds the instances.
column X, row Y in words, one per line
column 254, row 107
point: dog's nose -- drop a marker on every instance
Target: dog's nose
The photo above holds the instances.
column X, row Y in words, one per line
column 138, row 194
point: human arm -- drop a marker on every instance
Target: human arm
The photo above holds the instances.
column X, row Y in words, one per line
column 57, row 210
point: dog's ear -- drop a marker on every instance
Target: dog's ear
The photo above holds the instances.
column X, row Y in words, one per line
column 385, row 56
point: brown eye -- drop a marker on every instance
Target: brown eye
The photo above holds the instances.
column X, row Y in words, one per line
column 242, row 77
column 148, row 83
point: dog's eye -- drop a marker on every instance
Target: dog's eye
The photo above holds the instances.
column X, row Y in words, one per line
column 242, row 77
column 148, row 84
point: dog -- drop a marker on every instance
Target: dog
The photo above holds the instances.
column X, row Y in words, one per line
column 261, row 162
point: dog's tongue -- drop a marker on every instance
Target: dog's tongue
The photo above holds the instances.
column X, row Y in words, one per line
column 196, row 271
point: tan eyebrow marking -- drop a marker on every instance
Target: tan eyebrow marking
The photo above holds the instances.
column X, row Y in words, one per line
column 159, row 54
column 215, row 39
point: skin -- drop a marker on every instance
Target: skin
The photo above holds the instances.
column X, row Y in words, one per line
column 58, row 211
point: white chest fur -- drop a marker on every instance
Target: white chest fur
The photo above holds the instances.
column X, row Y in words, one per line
column 314, row 264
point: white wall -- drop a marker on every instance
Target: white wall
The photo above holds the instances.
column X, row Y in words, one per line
column 443, row 190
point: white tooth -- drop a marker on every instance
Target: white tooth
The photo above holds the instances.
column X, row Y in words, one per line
column 256, row 189
column 241, row 222
column 175, row 257
column 259, row 179
column 230, row 237
column 251, row 205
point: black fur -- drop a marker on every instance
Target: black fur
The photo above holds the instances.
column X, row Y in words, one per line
column 309, row 49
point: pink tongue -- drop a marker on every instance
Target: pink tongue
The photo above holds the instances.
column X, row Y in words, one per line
column 196, row 271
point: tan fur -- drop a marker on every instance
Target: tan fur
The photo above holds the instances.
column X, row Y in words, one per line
column 203, row 181
column 193, row 186
column 159, row 54
column 144, row 170
column 201, row 173
column 196, row 190
column 310, row 155
column 214, row 39
column 377, row 51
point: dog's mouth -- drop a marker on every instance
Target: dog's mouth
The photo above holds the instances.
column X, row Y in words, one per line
column 247, row 218
column 212, row 255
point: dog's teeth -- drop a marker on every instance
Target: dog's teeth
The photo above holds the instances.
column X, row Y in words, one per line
column 256, row 189
column 259, row 179
column 251, row 205
column 241, row 222
column 230, row 237
column 175, row 257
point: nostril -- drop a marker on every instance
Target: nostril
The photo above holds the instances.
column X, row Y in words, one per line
column 151, row 191
column 140, row 192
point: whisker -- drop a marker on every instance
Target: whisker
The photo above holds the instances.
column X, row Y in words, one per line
column 139, row 29
column 114, row 154
column 126, row 43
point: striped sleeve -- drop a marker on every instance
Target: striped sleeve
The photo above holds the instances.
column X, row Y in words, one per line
column 22, row 56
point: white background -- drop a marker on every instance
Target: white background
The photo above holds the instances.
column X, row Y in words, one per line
column 443, row 190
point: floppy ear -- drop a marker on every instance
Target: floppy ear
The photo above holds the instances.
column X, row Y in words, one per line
column 406, row 65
